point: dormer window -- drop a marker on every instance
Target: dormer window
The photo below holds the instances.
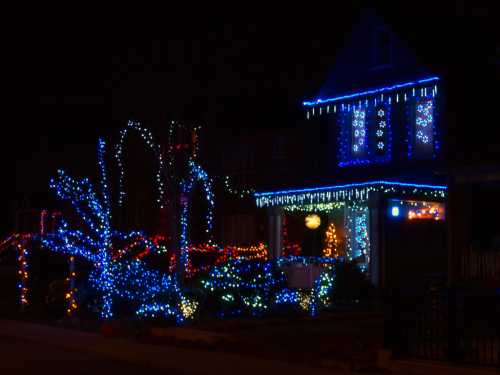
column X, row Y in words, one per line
column 382, row 48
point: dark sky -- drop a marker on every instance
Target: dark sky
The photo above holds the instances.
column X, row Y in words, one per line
column 74, row 74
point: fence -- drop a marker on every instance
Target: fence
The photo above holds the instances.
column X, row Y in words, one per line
column 480, row 266
column 452, row 325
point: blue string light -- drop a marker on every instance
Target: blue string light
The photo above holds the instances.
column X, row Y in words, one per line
column 352, row 185
column 371, row 92
column 196, row 174
column 255, row 288
column 355, row 192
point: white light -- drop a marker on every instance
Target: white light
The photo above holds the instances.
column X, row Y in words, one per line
column 313, row 221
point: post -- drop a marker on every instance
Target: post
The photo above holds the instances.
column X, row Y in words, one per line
column 275, row 220
column 374, row 234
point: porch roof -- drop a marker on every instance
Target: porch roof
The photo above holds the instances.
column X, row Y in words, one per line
column 358, row 191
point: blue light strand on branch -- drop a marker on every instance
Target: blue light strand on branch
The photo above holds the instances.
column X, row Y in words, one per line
column 95, row 212
column 196, row 174
column 345, row 192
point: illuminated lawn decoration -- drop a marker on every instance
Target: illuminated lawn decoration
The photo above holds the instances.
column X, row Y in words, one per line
column 112, row 276
column 256, row 288
column 243, row 277
column 23, row 273
column 118, row 271
column 244, row 287
column 71, row 294
column 196, row 174
column 319, row 297
column 147, row 136
column 209, row 255
column 23, row 243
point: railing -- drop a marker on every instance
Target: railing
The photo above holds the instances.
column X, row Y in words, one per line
column 452, row 325
column 480, row 266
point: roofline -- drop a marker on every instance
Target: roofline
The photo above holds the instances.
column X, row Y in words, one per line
column 370, row 92
column 352, row 185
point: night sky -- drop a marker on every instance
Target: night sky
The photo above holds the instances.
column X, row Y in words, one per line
column 75, row 74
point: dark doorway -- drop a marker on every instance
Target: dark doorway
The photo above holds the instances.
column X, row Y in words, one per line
column 416, row 253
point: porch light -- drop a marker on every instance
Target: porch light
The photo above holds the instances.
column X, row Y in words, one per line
column 313, row 221
column 395, row 211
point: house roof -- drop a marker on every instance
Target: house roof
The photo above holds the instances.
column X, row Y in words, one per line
column 355, row 70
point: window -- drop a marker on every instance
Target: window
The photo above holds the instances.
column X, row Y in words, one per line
column 380, row 140
column 416, row 210
column 358, row 133
column 365, row 136
column 422, row 135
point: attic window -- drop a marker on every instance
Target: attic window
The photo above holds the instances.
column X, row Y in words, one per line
column 382, row 48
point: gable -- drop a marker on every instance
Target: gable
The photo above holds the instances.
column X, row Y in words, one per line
column 372, row 56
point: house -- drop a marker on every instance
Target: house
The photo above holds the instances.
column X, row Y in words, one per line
column 390, row 145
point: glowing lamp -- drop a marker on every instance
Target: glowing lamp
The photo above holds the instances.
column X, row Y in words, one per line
column 313, row 221
column 395, row 211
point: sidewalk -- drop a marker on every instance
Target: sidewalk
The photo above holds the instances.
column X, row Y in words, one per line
column 430, row 367
column 158, row 357
column 192, row 361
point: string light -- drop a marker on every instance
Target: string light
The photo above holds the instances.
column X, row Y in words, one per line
column 71, row 294
column 196, row 174
column 348, row 192
column 358, row 240
column 417, row 210
column 380, row 90
column 241, row 193
column 317, row 207
column 311, row 301
column 147, row 136
column 331, row 248
column 357, row 146
column 250, row 284
column 94, row 210
column 23, row 273
column 221, row 255
column 422, row 132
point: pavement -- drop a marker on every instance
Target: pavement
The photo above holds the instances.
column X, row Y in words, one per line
column 52, row 349
column 27, row 348
column 19, row 356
